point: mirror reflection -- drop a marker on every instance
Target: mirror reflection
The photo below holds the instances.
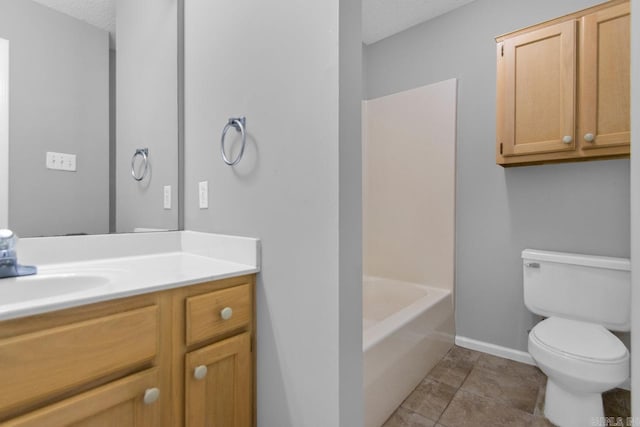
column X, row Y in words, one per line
column 81, row 99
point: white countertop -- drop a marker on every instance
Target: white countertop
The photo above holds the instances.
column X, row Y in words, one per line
column 152, row 262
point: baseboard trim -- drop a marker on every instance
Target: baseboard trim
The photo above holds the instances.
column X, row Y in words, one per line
column 495, row 350
column 508, row 353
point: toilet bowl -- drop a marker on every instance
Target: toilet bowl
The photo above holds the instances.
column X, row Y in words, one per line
column 573, row 346
column 581, row 361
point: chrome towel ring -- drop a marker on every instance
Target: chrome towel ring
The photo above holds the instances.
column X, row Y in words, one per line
column 239, row 124
column 144, row 152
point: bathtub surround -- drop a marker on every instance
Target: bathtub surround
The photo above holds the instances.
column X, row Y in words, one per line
column 409, row 185
column 408, row 239
column 293, row 69
column 569, row 207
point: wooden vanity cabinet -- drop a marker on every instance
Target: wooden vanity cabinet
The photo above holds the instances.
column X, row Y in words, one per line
column 132, row 362
column 216, row 361
column 563, row 89
column 53, row 363
column 120, row 403
column 225, row 365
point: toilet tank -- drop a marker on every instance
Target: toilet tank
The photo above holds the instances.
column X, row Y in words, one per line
column 591, row 288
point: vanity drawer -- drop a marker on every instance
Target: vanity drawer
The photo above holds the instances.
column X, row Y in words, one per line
column 215, row 313
column 127, row 402
column 41, row 365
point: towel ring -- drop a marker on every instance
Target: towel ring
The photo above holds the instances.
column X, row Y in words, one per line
column 144, row 152
column 238, row 123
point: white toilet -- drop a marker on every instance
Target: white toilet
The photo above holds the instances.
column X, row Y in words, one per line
column 583, row 297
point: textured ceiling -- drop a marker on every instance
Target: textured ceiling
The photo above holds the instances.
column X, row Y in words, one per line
column 99, row 13
column 380, row 18
column 384, row 18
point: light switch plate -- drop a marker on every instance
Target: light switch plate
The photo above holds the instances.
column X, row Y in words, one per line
column 167, row 197
column 203, row 192
column 61, row 161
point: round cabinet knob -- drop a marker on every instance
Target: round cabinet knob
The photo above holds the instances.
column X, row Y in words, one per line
column 200, row 372
column 589, row 137
column 151, row 395
column 226, row 313
column 567, row 139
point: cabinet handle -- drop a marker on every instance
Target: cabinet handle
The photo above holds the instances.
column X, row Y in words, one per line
column 151, row 395
column 200, row 372
column 226, row 313
column 589, row 137
column 567, row 139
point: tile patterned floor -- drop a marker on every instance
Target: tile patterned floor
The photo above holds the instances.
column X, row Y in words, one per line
column 471, row 389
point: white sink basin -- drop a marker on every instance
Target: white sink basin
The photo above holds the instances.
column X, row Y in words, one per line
column 48, row 285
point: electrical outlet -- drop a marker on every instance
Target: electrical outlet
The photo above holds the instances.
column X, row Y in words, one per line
column 61, row 161
column 72, row 163
column 167, row 197
column 203, row 192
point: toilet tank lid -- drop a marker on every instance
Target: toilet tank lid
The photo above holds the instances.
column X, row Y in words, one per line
column 577, row 259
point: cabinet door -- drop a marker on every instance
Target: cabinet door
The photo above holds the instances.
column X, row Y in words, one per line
column 218, row 384
column 605, row 80
column 118, row 404
column 36, row 366
column 539, row 72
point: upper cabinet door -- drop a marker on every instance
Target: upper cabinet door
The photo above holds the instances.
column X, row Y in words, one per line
column 539, row 71
column 605, row 79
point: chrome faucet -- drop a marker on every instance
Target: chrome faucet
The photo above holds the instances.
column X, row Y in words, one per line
column 9, row 266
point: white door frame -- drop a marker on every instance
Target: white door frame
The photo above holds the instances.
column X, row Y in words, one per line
column 635, row 211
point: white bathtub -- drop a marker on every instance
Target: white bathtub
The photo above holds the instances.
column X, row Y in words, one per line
column 407, row 329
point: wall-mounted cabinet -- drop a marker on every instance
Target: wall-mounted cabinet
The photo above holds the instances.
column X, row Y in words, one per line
column 563, row 89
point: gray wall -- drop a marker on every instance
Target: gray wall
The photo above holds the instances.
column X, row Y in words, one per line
column 350, row 214
column 58, row 102
column 581, row 207
column 293, row 69
column 147, row 111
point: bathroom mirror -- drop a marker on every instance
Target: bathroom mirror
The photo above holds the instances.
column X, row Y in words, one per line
column 82, row 99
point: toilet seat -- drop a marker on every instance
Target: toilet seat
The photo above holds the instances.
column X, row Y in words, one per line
column 588, row 342
column 579, row 356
